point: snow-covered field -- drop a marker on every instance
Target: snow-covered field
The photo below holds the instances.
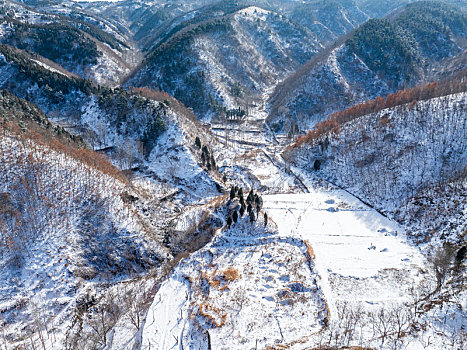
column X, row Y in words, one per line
column 362, row 255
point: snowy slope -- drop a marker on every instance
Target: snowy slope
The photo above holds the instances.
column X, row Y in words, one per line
column 244, row 289
column 67, row 231
column 93, row 259
column 379, row 57
column 122, row 121
column 403, row 150
column 340, row 80
column 363, row 273
column 325, row 257
column 328, row 19
column 221, row 63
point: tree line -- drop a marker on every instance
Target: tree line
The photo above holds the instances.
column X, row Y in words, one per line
column 332, row 124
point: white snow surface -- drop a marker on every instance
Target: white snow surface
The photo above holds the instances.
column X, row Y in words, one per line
column 162, row 326
column 359, row 257
column 46, row 66
column 347, row 258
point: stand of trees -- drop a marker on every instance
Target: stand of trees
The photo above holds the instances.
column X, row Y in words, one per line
column 251, row 206
column 332, row 124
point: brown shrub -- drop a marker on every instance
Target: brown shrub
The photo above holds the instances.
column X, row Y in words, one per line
column 230, row 274
column 310, row 250
column 212, row 314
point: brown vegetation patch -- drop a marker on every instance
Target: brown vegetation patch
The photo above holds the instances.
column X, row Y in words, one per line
column 93, row 160
column 222, row 279
column 212, row 314
column 310, row 250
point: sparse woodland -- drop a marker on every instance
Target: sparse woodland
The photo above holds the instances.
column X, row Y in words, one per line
column 63, row 206
column 152, row 196
column 370, row 148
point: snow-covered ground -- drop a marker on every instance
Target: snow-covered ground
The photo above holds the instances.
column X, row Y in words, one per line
column 325, row 261
column 327, row 248
column 249, row 287
column 362, row 255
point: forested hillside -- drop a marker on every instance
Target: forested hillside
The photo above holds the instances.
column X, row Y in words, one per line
column 85, row 45
column 380, row 57
column 329, row 19
column 254, row 174
column 103, row 116
column 82, row 242
column 222, row 61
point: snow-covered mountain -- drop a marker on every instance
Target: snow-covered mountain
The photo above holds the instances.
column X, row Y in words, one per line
column 380, row 57
column 137, row 218
column 224, row 63
column 329, row 19
column 79, row 41
column 105, row 117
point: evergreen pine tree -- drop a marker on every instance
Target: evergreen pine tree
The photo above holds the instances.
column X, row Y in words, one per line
column 242, row 209
column 232, row 193
column 213, row 162
column 252, row 217
column 249, row 199
column 259, row 203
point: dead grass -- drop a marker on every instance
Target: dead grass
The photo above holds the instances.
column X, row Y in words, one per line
column 231, row 274
column 212, row 314
column 310, row 251
column 221, row 280
column 213, row 282
column 217, row 201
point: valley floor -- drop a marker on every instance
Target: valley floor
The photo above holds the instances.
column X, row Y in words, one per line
column 326, row 268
